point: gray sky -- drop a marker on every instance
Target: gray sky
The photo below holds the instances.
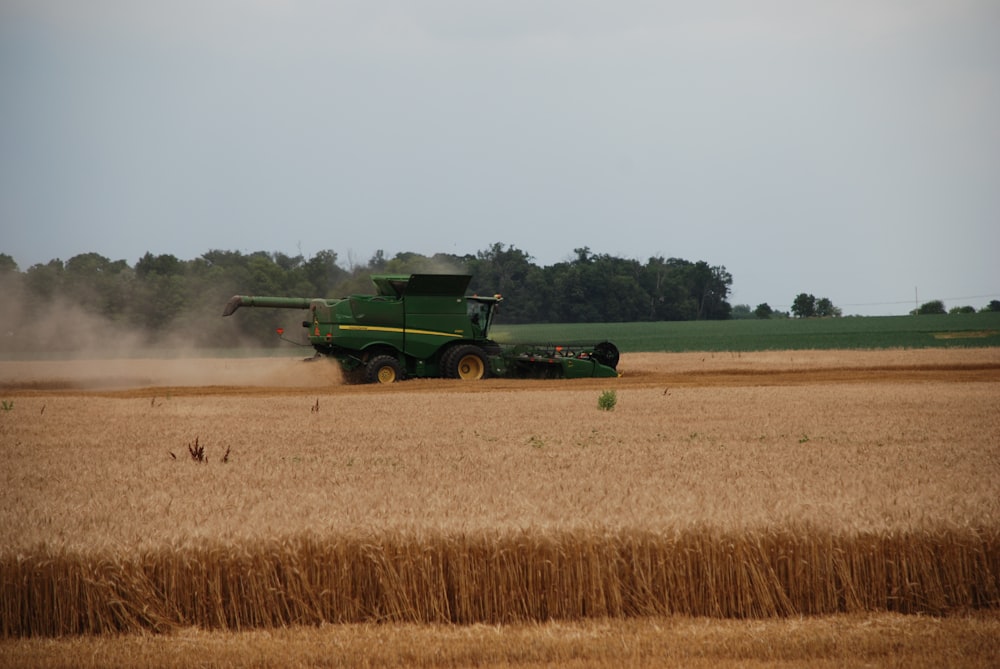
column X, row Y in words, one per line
column 849, row 149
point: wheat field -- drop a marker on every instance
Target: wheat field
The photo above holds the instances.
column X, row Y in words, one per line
column 721, row 485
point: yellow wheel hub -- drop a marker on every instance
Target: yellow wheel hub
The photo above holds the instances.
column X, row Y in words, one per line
column 471, row 368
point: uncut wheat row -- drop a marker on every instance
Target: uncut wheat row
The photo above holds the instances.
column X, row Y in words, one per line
column 527, row 576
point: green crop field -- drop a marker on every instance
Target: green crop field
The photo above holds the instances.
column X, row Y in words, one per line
column 867, row 332
column 951, row 330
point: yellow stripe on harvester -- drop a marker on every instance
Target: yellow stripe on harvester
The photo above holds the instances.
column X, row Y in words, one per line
column 376, row 328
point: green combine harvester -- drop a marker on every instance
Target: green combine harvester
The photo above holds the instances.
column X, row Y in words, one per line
column 424, row 325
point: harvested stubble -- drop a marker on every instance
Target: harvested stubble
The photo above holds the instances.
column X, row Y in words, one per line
column 514, row 577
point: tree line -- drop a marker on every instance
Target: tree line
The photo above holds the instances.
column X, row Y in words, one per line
column 935, row 307
column 162, row 296
column 54, row 305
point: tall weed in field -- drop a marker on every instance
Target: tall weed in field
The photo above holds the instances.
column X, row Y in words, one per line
column 607, row 400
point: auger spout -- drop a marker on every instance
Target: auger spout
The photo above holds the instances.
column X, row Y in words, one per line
column 237, row 301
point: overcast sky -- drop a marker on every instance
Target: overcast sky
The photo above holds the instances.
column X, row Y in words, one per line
column 849, row 148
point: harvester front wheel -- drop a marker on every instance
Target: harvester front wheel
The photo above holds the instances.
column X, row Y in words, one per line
column 607, row 354
column 383, row 369
column 467, row 363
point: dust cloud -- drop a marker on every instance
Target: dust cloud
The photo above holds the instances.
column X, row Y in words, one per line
column 131, row 373
column 60, row 345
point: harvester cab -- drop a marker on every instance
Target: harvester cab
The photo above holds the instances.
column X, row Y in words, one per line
column 424, row 325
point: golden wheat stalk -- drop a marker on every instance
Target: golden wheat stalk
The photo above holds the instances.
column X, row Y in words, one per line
column 511, row 577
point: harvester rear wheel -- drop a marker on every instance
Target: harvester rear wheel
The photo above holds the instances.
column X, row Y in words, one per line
column 466, row 362
column 383, row 369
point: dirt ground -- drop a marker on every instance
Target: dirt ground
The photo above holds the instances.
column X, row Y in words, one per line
column 144, row 377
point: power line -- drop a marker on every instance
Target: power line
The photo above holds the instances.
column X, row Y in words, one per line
column 880, row 304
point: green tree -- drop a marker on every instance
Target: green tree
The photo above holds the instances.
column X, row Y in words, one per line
column 157, row 296
column 416, row 263
column 710, row 288
column 664, row 284
column 287, row 262
column 593, row 288
column 994, row 305
column 617, row 288
column 962, row 310
column 406, row 262
column 156, row 301
column 572, row 299
column 688, row 291
column 376, row 264
column 220, row 274
column 162, row 265
column 804, row 305
column 97, row 284
column 16, row 331
column 763, row 311
column 741, row 312
column 7, row 264
column 323, row 273
column 226, row 259
column 266, row 277
column 931, row 308
column 500, row 267
column 825, row 308
column 505, row 270
column 43, row 282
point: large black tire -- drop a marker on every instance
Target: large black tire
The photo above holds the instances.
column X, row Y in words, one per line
column 383, row 369
column 606, row 353
column 447, row 362
column 466, row 362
